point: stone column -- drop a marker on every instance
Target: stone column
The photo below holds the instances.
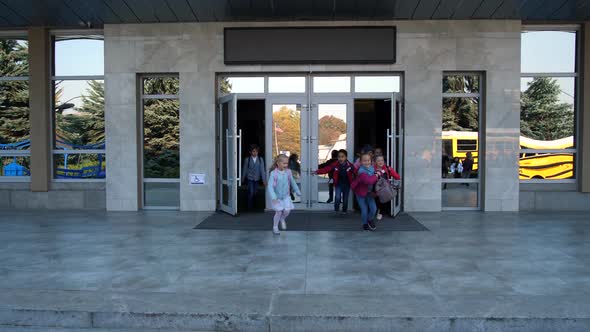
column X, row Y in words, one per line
column 40, row 106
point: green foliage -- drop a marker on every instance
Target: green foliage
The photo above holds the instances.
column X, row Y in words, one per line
column 330, row 128
column 225, row 86
column 460, row 114
column 542, row 115
column 14, row 95
column 289, row 121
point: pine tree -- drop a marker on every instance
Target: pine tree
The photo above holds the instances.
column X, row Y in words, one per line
column 14, row 95
column 542, row 115
column 461, row 114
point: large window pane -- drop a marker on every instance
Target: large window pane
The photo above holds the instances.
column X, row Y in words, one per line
column 547, row 112
column 14, row 59
column 460, row 137
column 15, row 165
column 161, row 194
column 331, row 84
column 241, row 85
column 161, row 85
column 79, row 56
column 286, row 84
column 377, row 84
column 545, row 165
column 79, row 166
column 79, row 114
column 460, row 195
column 286, row 136
column 548, row 51
column 161, row 138
column 461, row 84
column 14, row 115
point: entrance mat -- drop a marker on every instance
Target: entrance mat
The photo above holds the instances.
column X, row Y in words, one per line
column 308, row 221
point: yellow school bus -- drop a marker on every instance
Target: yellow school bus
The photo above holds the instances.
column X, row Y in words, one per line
column 545, row 165
column 534, row 165
column 458, row 143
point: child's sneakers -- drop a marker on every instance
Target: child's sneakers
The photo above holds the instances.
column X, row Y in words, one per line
column 283, row 225
column 379, row 216
column 372, row 226
column 365, row 227
column 275, row 231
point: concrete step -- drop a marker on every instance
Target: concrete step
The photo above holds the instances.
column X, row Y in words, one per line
column 87, row 311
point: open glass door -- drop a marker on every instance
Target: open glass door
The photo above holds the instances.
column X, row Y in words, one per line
column 228, row 175
column 395, row 149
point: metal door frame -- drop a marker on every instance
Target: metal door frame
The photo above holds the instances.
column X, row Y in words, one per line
column 233, row 165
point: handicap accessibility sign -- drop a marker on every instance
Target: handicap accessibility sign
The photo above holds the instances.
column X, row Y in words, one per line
column 197, row 178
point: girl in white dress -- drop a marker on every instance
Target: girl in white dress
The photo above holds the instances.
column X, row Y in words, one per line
column 280, row 185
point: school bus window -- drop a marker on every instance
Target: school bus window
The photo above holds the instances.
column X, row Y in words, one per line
column 466, row 145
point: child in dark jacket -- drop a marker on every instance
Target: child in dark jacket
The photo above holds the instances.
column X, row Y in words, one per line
column 363, row 187
column 330, row 175
column 343, row 172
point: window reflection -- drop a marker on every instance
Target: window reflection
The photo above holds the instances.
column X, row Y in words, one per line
column 323, row 84
column 331, row 138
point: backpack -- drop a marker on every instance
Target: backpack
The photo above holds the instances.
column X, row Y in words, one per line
column 385, row 190
column 276, row 179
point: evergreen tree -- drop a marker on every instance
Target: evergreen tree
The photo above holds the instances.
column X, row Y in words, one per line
column 14, row 95
column 461, row 114
column 542, row 115
column 161, row 129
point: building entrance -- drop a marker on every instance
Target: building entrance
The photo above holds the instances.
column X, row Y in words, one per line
column 306, row 126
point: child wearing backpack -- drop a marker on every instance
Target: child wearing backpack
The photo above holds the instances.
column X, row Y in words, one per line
column 280, row 185
column 388, row 173
column 363, row 187
column 343, row 173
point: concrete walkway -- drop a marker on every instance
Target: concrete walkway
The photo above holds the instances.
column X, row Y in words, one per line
column 98, row 271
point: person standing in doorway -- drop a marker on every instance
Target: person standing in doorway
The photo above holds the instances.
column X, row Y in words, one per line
column 363, row 187
column 279, row 189
column 343, row 171
column 330, row 174
column 254, row 172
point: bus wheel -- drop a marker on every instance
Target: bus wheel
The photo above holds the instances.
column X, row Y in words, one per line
column 537, row 177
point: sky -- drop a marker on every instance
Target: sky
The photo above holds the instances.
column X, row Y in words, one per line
column 540, row 52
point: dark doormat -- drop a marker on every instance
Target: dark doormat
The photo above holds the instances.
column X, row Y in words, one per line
column 308, row 221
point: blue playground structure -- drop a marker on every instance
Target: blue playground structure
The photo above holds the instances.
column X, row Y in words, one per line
column 14, row 168
column 88, row 172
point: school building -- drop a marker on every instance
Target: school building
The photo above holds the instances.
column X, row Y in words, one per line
column 127, row 105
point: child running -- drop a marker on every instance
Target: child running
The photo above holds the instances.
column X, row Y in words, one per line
column 280, row 185
column 363, row 186
column 388, row 173
column 343, row 172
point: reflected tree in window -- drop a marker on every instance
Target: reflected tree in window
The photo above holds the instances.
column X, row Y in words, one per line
column 287, row 133
column 14, row 95
column 161, row 130
column 542, row 115
column 85, row 125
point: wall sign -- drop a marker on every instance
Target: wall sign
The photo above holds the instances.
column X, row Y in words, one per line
column 310, row 45
column 196, row 178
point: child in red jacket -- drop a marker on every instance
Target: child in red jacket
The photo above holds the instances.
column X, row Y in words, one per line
column 343, row 172
column 388, row 173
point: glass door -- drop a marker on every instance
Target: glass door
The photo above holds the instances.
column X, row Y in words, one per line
column 329, row 133
column 289, row 136
column 228, row 155
column 395, row 148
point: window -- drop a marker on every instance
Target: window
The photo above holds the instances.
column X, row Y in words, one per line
column 326, row 84
column 460, row 135
column 229, row 85
column 161, row 141
column 14, row 109
column 78, row 108
column 377, row 84
column 548, row 105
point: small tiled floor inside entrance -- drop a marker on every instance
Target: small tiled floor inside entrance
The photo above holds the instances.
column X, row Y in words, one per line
column 112, row 265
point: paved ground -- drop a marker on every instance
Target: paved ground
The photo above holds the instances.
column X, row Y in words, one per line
column 492, row 271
